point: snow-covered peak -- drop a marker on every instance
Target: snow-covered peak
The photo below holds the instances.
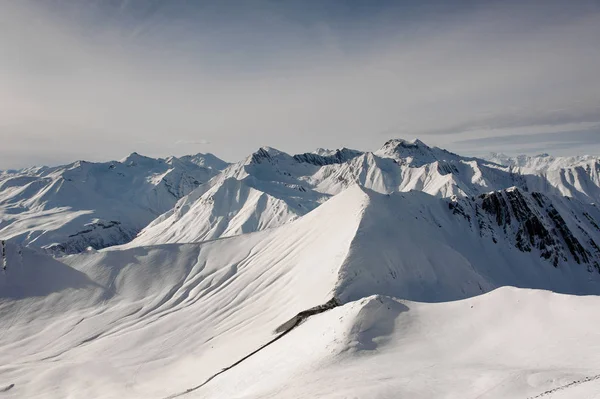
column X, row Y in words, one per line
column 412, row 152
column 324, row 152
column 266, row 154
column 135, row 159
column 206, row 160
column 393, row 144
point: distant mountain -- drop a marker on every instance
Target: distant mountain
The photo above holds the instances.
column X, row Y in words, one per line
column 270, row 188
column 145, row 201
column 577, row 177
column 264, row 190
column 208, row 161
column 67, row 208
column 542, row 162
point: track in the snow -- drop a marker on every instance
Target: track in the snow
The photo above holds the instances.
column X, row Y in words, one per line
column 286, row 328
column 569, row 385
column 7, row 388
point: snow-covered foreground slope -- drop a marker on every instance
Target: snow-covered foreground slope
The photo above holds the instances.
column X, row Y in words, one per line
column 143, row 316
column 149, row 322
column 68, row 208
column 270, row 188
column 510, row 343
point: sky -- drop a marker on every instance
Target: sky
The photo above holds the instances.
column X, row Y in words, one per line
column 99, row 79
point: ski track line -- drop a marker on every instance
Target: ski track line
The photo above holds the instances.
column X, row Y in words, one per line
column 569, row 385
column 297, row 320
column 7, row 388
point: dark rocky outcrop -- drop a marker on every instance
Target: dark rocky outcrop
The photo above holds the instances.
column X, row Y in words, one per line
column 532, row 223
column 340, row 156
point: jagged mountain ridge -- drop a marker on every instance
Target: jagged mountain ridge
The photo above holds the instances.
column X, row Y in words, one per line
column 67, row 208
column 294, row 185
column 267, row 189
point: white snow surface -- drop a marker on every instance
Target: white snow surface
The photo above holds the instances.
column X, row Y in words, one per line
column 270, row 188
column 455, row 277
column 150, row 322
column 71, row 207
column 569, row 176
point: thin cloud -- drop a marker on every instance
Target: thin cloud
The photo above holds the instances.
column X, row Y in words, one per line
column 526, row 118
column 563, row 142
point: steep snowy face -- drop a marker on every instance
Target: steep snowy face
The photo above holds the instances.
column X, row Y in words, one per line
column 413, row 245
column 68, row 208
column 263, row 191
column 207, row 160
column 577, row 177
column 421, row 247
column 402, row 166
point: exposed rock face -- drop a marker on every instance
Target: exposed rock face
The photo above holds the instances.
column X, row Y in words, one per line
column 98, row 234
column 532, row 222
column 261, row 155
column 340, row 156
column 305, row 314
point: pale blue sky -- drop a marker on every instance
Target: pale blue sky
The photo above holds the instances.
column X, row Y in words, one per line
column 99, row 79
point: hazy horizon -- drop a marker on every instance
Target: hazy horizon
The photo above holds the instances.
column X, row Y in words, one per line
column 481, row 154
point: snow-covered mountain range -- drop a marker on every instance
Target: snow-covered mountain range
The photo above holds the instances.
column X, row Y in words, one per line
column 335, row 273
column 67, row 208
column 270, row 188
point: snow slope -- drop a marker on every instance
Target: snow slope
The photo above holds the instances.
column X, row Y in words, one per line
column 153, row 321
column 510, row 343
column 165, row 306
column 71, row 207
